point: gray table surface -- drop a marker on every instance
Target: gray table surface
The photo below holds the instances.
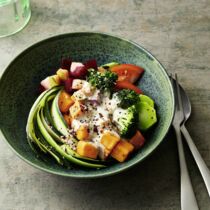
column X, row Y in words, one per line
column 177, row 32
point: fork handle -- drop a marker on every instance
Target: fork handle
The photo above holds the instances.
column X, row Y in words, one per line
column 188, row 200
column 198, row 159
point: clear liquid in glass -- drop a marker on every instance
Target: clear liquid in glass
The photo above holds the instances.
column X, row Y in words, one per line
column 14, row 15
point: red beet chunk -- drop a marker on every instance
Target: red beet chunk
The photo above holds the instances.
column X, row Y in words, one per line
column 91, row 64
column 66, row 63
column 68, row 85
column 80, row 72
column 40, row 89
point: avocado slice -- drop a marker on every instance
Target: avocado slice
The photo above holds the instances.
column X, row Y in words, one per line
column 147, row 99
column 146, row 116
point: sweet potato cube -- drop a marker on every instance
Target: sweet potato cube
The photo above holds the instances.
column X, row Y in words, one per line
column 64, row 101
column 109, row 140
column 87, row 149
column 68, row 119
column 75, row 110
column 122, row 150
column 82, row 133
column 137, row 140
column 63, row 74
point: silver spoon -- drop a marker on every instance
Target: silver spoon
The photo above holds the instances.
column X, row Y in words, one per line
column 198, row 159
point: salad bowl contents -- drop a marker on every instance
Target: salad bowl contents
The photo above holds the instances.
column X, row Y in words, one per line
column 134, row 97
column 90, row 116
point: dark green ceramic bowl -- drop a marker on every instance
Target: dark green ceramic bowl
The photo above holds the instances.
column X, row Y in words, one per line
column 18, row 91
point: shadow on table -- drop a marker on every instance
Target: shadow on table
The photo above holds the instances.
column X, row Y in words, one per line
column 152, row 184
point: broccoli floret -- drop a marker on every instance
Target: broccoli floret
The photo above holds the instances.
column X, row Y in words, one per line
column 127, row 98
column 125, row 120
column 104, row 81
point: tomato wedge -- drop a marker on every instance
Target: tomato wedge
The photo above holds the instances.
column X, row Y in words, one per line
column 127, row 85
column 128, row 72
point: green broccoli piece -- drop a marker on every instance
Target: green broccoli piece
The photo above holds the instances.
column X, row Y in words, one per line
column 125, row 120
column 127, row 98
column 104, row 81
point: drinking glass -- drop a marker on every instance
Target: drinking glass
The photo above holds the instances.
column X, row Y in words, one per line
column 14, row 15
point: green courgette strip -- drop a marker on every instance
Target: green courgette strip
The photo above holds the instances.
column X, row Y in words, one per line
column 50, row 130
column 48, row 116
column 45, row 145
column 58, row 121
column 49, row 149
column 32, row 117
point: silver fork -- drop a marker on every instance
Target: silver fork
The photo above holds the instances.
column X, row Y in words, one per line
column 188, row 200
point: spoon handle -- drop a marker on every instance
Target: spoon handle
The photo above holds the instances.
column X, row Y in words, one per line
column 188, row 200
column 198, row 159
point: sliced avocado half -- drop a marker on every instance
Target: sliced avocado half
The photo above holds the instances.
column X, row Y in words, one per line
column 147, row 99
column 146, row 116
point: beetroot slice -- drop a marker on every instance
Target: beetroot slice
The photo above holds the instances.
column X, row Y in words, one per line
column 68, row 85
column 91, row 64
column 66, row 63
column 80, row 72
column 40, row 89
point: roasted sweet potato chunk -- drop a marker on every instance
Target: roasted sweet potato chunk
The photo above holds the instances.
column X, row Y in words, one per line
column 87, row 149
column 82, row 133
column 64, row 101
column 122, row 150
column 109, row 140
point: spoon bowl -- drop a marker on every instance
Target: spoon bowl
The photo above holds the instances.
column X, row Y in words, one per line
column 186, row 104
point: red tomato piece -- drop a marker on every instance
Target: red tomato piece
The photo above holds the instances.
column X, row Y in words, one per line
column 127, row 85
column 128, row 72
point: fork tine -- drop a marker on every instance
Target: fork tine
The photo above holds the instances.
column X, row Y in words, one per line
column 180, row 106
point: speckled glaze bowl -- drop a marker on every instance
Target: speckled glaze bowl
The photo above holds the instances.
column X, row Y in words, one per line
column 19, row 82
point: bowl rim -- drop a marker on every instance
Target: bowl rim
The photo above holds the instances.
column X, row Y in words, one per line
column 106, row 173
